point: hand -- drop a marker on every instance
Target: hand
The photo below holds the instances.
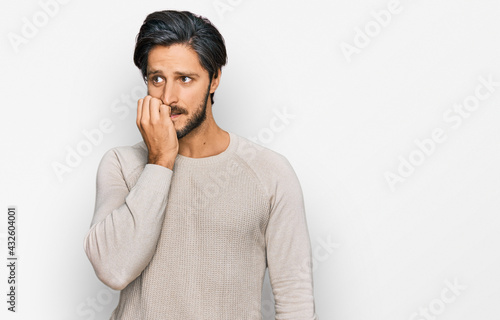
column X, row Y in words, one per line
column 158, row 131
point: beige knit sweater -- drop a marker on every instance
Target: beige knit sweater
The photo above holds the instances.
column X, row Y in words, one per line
column 194, row 242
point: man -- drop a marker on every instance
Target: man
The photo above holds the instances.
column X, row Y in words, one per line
column 187, row 220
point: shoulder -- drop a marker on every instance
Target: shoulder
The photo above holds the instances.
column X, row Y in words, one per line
column 129, row 160
column 260, row 157
column 271, row 167
column 132, row 155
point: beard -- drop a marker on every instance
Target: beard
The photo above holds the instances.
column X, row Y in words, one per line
column 198, row 117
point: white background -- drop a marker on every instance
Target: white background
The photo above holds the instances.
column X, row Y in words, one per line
column 396, row 250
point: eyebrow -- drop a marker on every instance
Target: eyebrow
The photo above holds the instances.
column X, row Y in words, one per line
column 177, row 73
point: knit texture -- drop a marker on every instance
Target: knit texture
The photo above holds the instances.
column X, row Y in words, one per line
column 194, row 242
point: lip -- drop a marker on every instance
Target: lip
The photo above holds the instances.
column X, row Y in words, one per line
column 175, row 116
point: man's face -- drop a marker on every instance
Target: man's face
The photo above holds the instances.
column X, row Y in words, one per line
column 176, row 77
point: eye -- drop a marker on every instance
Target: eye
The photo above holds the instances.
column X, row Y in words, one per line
column 186, row 79
column 156, row 79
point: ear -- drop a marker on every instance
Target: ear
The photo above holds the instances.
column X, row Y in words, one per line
column 215, row 81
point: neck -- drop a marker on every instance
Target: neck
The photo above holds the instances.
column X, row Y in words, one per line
column 206, row 140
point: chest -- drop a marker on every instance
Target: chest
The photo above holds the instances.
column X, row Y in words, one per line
column 224, row 200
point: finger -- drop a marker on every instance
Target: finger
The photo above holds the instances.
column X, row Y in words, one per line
column 145, row 110
column 165, row 112
column 139, row 112
column 154, row 110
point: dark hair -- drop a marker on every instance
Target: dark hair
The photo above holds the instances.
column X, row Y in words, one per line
column 170, row 27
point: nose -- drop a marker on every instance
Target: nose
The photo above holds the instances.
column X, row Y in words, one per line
column 170, row 95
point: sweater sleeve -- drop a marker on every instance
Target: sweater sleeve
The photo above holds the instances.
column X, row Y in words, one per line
column 126, row 224
column 288, row 249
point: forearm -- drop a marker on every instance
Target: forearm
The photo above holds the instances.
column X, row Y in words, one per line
column 290, row 271
column 122, row 244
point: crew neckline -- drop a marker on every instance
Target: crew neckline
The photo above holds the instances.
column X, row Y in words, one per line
column 180, row 159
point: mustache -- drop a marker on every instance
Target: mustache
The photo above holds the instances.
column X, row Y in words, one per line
column 176, row 109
